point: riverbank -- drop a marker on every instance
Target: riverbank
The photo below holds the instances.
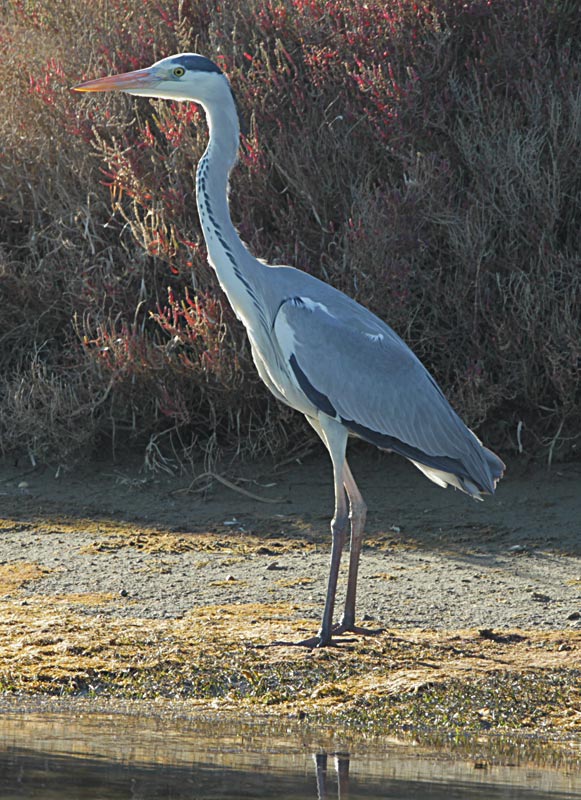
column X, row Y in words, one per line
column 120, row 585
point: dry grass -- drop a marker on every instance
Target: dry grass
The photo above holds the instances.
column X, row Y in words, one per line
column 460, row 680
column 111, row 536
column 422, row 157
column 15, row 575
column 95, row 645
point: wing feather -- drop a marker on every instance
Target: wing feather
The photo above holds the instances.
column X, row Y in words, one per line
column 355, row 365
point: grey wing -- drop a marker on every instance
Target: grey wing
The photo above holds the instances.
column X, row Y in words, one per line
column 353, row 367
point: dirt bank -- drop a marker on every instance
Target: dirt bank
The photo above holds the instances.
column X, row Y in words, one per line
column 112, row 579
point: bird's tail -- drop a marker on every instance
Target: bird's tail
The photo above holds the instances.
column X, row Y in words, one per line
column 494, row 467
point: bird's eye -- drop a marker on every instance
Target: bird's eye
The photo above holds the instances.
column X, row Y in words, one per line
column 179, row 72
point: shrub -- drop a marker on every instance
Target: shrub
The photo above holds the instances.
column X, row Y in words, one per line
column 423, row 157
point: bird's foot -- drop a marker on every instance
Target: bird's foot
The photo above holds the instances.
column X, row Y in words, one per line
column 319, row 640
column 344, row 627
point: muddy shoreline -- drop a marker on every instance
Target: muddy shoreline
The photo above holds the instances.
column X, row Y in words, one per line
column 116, row 583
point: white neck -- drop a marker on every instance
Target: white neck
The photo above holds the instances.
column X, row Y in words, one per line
column 237, row 270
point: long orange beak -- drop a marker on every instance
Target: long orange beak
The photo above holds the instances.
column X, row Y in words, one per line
column 122, row 82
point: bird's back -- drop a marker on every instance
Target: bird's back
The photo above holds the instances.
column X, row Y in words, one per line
column 351, row 365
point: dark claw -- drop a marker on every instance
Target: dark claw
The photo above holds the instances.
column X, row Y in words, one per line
column 340, row 629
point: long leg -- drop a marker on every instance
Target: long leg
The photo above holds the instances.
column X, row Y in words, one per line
column 334, row 437
column 321, row 766
column 358, row 515
column 342, row 770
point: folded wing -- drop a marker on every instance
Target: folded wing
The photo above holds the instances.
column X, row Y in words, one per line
column 353, row 367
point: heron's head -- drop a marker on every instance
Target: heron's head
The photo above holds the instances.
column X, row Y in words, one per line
column 186, row 76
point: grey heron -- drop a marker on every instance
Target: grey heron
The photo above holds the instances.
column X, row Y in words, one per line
column 315, row 348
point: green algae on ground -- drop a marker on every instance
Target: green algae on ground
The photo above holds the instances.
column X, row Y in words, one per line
column 218, row 656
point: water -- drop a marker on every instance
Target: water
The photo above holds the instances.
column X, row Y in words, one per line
column 98, row 756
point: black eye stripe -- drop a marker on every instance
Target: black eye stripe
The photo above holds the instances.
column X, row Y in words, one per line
column 196, row 63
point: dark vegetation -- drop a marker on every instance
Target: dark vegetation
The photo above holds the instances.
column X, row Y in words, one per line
column 421, row 156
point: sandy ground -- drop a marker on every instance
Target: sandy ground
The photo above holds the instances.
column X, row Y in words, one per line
column 434, row 559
